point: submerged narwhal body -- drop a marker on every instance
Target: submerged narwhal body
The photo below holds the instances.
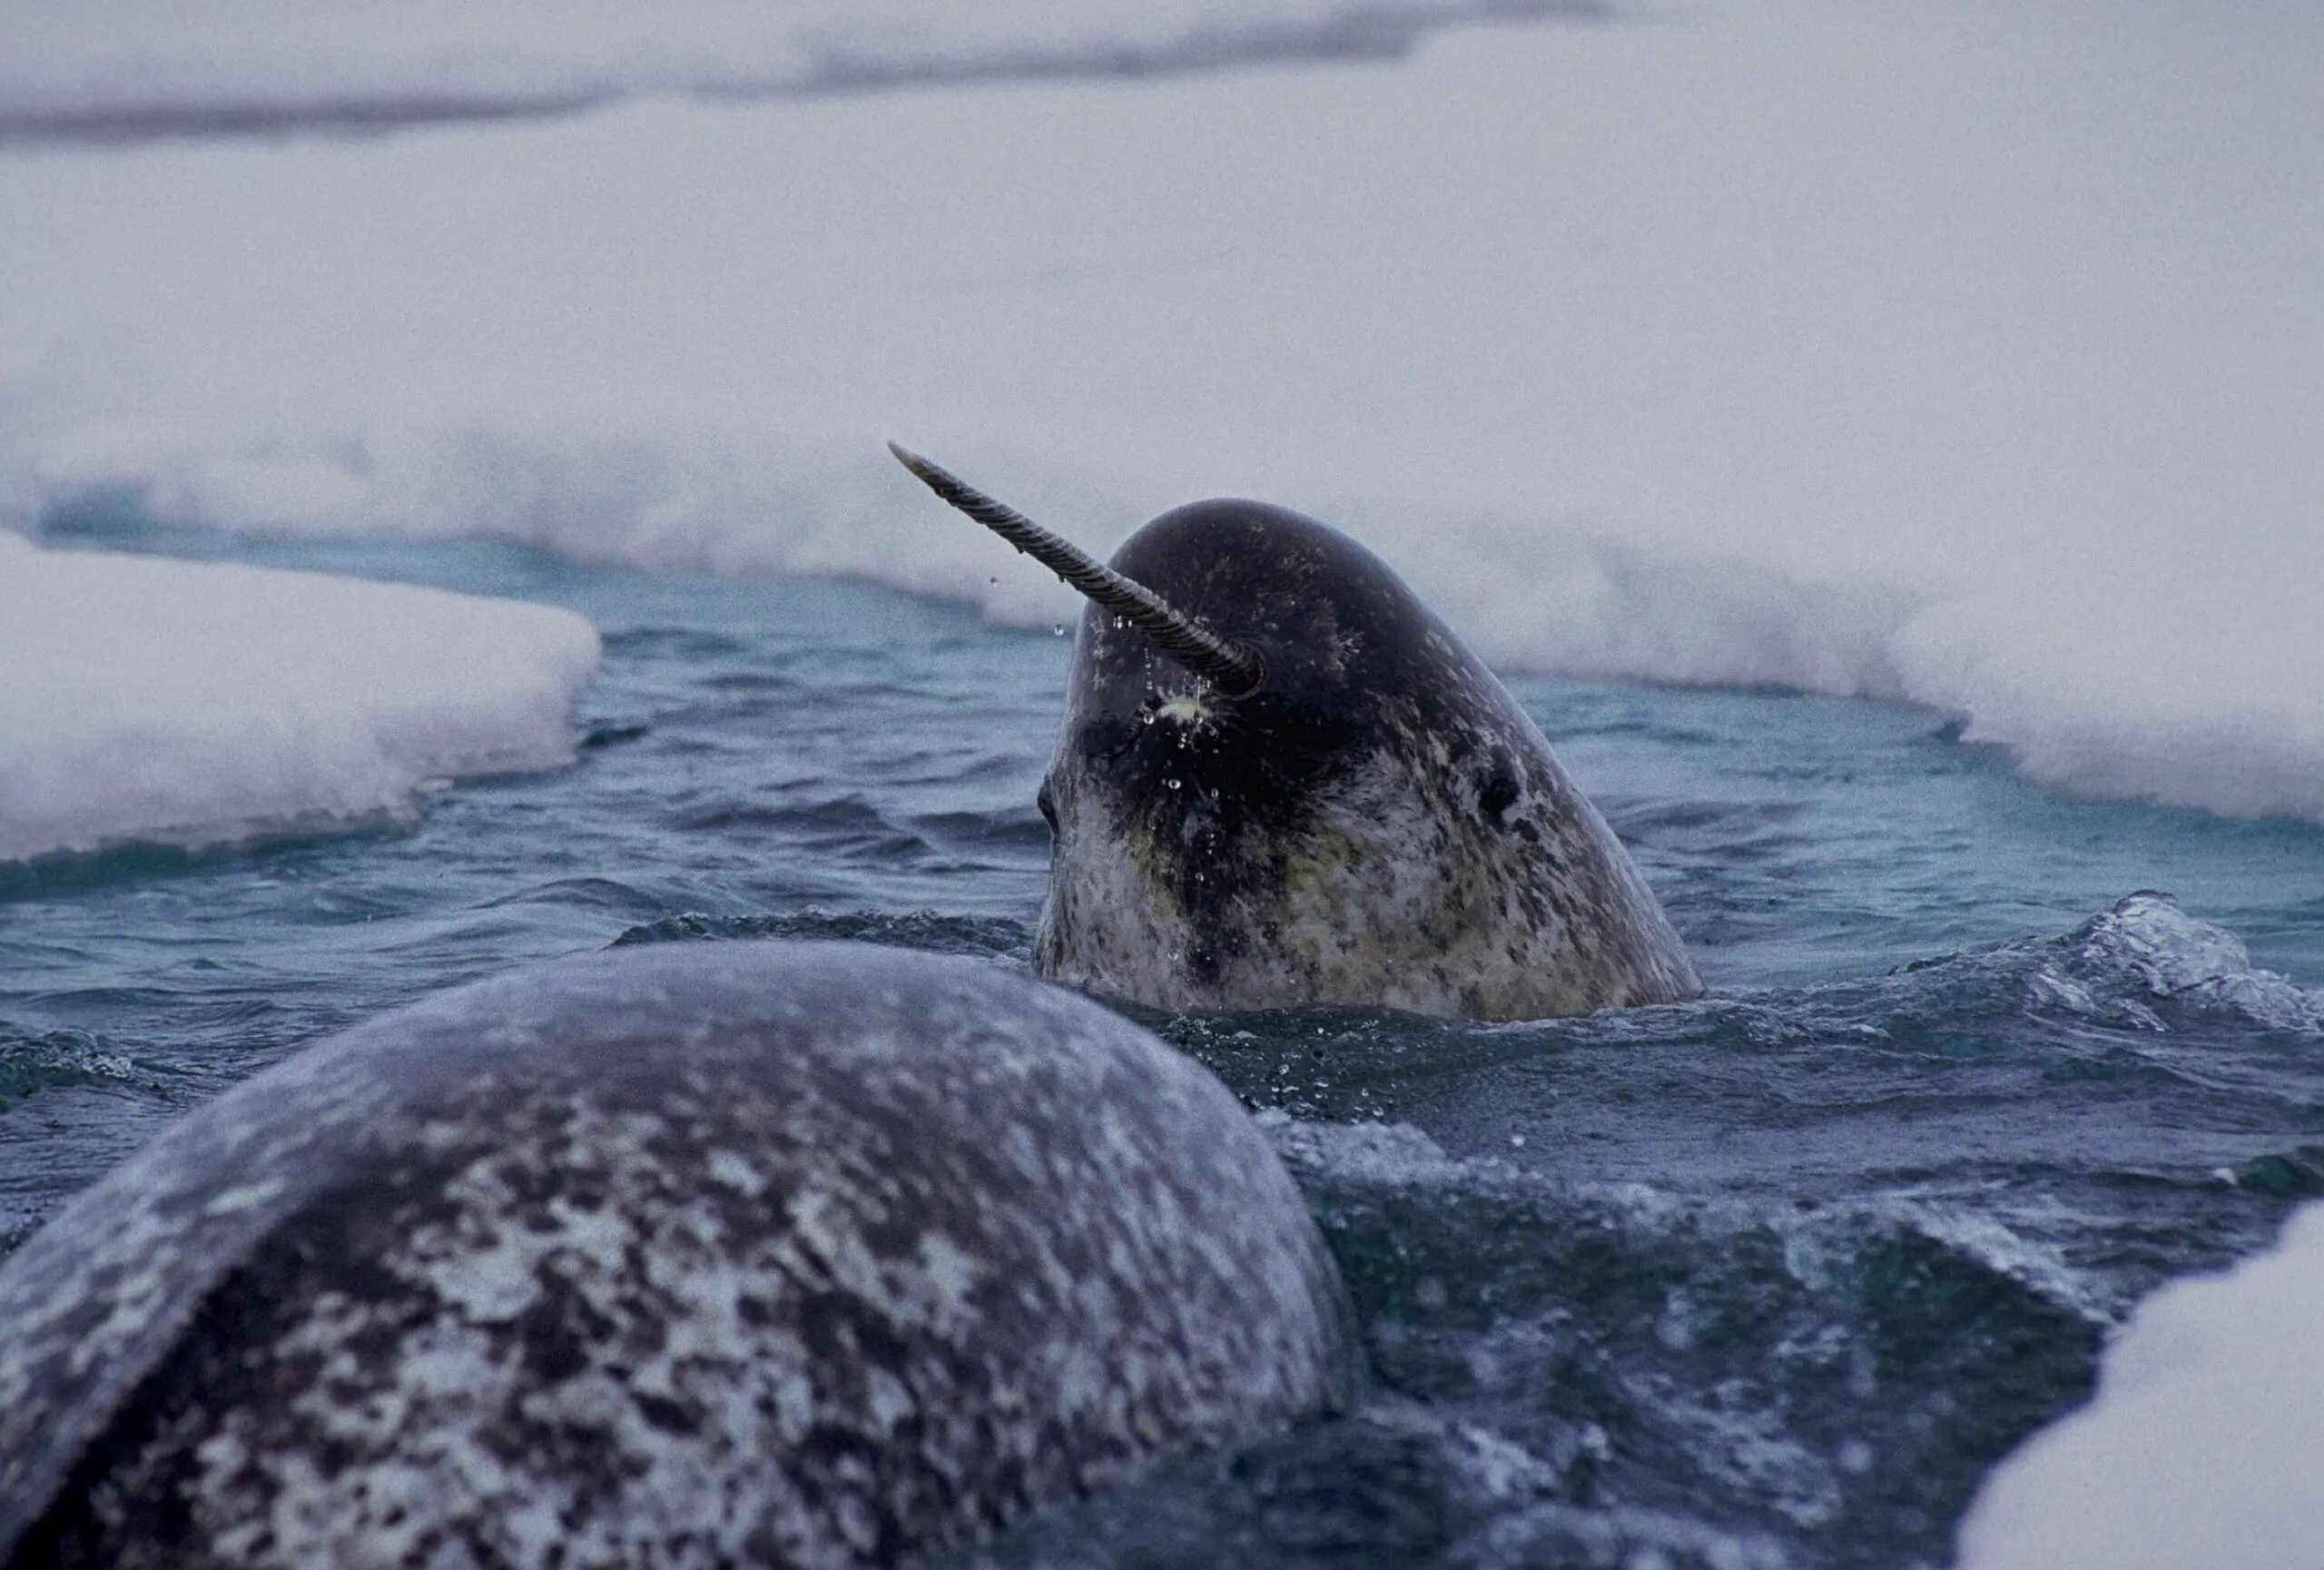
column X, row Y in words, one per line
column 701, row 1254
column 1281, row 779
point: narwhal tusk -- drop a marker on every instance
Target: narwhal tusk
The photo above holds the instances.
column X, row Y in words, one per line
column 1232, row 668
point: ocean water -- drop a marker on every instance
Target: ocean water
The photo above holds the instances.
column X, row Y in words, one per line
column 1768, row 1280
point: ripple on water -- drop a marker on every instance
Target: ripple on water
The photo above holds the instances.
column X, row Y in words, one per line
column 995, row 937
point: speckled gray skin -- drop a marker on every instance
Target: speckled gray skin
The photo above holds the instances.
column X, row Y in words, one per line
column 710, row 1254
column 1378, row 823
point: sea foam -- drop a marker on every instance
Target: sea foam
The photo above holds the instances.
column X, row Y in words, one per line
column 191, row 702
column 1963, row 354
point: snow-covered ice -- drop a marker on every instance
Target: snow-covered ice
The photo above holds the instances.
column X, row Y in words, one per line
column 191, row 702
column 1964, row 353
column 2200, row 1450
column 146, row 67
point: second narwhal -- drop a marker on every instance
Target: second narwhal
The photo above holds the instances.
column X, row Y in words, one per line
column 1280, row 779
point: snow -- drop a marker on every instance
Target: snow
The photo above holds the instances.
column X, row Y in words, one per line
column 192, row 703
column 144, row 67
column 1959, row 353
column 2200, row 1450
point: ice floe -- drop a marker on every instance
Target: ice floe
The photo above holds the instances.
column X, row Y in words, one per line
column 191, row 702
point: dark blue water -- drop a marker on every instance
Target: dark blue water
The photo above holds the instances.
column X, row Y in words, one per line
column 1768, row 1280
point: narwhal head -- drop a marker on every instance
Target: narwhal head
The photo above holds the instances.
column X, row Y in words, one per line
column 1281, row 780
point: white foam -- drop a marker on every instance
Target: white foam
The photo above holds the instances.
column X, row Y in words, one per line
column 1960, row 354
column 192, row 703
column 2199, row 1450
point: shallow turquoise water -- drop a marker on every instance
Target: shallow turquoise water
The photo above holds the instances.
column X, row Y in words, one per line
column 1771, row 1278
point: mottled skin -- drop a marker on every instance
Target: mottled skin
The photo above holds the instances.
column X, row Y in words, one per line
column 703, row 1255
column 1378, row 823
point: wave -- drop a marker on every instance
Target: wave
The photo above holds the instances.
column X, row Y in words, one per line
column 243, row 67
column 1618, row 1296
column 985, row 937
column 34, row 1062
column 2147, row 954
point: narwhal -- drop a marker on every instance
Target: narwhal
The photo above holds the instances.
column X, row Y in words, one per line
column 702, row 1255
column 1280, row 779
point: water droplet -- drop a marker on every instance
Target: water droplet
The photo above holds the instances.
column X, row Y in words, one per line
column 1171, row 783
column 1057, row 629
